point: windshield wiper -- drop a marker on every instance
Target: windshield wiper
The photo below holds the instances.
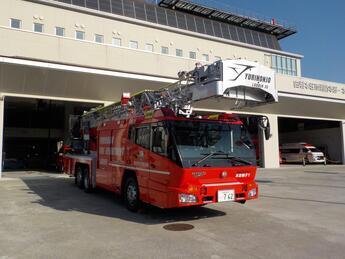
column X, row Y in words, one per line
column 237, row 159
column 234, row 158
column 207, row 156
column 220, row 153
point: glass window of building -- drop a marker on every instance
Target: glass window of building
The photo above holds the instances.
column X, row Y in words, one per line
column 99, row 38
column 294, row 67
column 165, row 50
column 205, row 57
column 149, row 47
column 192, row 55
column 80, row 35
column 38, row 27
column 59, row 31
column 15, row 23
column 179, row 52
column 133, row 44
column 284, row 65
column 117, row 42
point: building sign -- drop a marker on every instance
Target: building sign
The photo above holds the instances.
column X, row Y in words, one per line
column 310, row 87
column 318, row 87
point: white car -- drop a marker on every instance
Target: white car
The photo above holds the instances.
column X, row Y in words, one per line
column 301, row 152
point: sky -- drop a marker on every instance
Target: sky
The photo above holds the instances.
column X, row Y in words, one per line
column 321, row 31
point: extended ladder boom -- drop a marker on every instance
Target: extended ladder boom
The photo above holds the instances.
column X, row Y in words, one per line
column 246, row 83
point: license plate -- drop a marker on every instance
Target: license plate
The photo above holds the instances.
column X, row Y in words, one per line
column 226, row 195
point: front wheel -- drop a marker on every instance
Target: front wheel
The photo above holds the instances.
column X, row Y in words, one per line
column 131, row 194
column 304, row 161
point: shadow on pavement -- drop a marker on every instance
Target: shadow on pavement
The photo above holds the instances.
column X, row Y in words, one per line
column 263, row 181
column 300, row 199
column 61, row 194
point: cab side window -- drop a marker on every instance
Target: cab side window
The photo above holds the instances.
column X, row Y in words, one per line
column 142, row 137
column 291, row 151
column 131, row 133
column 159, row 140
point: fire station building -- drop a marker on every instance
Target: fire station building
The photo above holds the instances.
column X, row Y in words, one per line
column 61, row 57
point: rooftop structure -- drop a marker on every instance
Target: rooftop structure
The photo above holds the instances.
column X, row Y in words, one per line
column 271, row 26
column 193, row 17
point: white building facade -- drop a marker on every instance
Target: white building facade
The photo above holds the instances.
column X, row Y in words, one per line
column 90, row 51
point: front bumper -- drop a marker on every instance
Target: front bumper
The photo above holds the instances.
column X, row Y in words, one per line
column 208, row 193
column 318, row 159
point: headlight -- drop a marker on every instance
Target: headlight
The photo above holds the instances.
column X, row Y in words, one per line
column 252, row 193
column 187, row 198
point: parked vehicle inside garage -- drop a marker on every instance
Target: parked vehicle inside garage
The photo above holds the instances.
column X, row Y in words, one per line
column 301, row 153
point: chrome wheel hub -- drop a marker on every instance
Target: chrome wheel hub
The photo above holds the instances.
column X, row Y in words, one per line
column 131, row 193
column 86, row 181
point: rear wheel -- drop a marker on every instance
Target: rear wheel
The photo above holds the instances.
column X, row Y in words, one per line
column 79, row 177
column 60, row 169
column 86, row 181
column 131, row 194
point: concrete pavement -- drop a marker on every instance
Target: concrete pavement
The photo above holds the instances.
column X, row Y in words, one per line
column 300, row 214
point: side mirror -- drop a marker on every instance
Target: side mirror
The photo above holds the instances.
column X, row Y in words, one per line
column 268, row 132
column 264, row 124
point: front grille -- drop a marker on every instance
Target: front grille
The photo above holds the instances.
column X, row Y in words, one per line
column 207, row 199
column 240, row 195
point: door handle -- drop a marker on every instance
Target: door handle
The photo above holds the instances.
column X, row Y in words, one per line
column 153, row 166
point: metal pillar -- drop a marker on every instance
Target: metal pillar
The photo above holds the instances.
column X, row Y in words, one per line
column 2, row 107
column 342, row 129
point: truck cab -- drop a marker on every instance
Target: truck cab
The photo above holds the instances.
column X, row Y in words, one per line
column 178, row 161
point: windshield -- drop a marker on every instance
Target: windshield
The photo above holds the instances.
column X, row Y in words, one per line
column 218, row 142
column 313, row 149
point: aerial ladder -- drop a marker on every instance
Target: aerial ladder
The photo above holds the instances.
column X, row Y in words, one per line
column 244, row 83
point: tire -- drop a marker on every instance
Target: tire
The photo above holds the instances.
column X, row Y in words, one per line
column 86, row 181
column 131, row 194
column 304, row 162
column 59, row 169
column 79, row 177
column 242, row 202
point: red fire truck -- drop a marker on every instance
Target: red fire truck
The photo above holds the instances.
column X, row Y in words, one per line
column 154, row 148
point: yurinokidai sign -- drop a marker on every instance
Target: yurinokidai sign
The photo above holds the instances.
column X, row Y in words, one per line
column 316, row 87
column 238, row 79
column 310, row 87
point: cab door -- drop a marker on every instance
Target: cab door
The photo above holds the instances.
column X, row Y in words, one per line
column 139, row 154
column 160, row 166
